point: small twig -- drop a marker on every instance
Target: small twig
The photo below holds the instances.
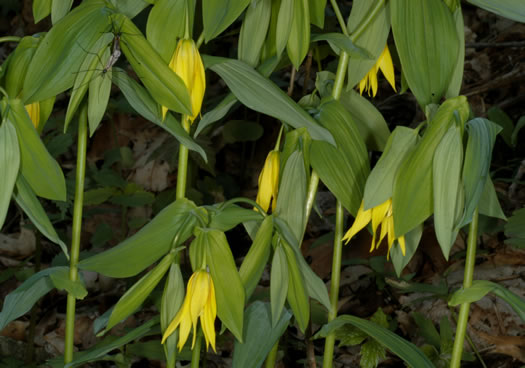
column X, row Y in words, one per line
column 292, row 82
column 480, row 45
column 513, row 188
column 308, row 68
column 310, row 349
column 516, row 75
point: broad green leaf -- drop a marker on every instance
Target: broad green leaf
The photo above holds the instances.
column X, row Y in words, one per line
column 225, row 219
column 297, row 139
column 404, row 349
column 27, row 200
column 172, row 226
column 130, row 8
column 372, row 353
column 145, row 106
column 456, row 80
column 512, row 9
column 41, row 9
column 255, row 260
column 515, row 228
column 412, row 197
column 229, row 290
column 19, row 63
column 427, row 329
column 260, row 94
column 284, row 25
column 489, row 203
column 480, row 288
column 165, row 26
column 217, row 15
column 380, row 183
column 448, row 188
column 291, row 200
column 98, row 98
column 260, row 335
column 279, row 282
column 41, row 171
column 299, row 38
column 343, row 169
column 99, row 195
column 166, row 87
column 372, row 38
column 427, row 45
column 135, row 296
column 340, row 41
column 498, row 116
column 21, row 300
column 216, row 114
column 101, row 349
column 59, row 9
column 61, row 281
column 317, row 8
column 478, row 154
column 371, row 124
column 253, row 31
column 171, row 301
column 61, row 52
column 412, row 239
column 296, row 296
column 9, row 165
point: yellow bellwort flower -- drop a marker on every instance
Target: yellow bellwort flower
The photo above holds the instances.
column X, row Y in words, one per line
column 385, row 64
column 33, row 110
column 199, row 302
column 186, row 62
column 379, row 215
column 269, row 181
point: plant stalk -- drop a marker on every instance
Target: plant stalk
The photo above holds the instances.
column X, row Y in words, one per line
column 196, row 351
column 470, row 262
column 76, row 232
column 182, row 172
column 272, row 356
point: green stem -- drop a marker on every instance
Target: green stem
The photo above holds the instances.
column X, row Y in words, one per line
column 200, row 40
column 10, row 39
column 339, row 17
column 272, row 356
column 371, row 15
column 334, row 286
column 196, row 351
column 75, row 236
column 182, row 172
column 470, row 261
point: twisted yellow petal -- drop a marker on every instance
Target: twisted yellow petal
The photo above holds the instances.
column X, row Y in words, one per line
column 383, row 63
column 361, row 220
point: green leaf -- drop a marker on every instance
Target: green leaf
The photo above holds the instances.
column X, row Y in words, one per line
column 60, row 279
column 296, row 296
column 515, row 228
column 397, row 345
column 19, row 63
column 260, row 335
column 216, row 114
column 255, row 260
column 260, row 94
column 373, row 38
column 279, row 282
column 145, row 106
column 372, row 353
column 171, row 301
column 165, row 26
column 99, row 90
column 480, row 288
column 241, row 131
column 59, row 9
column 110, row 343
column 343, row 169
column 371, row 124
column 498, row 116
column 317, row 8
column 166, row 87
column 341, row 41
column 448, row 188
column 217, row 15
column 428, row 69
column 225, row 219
column 284, row 25
column 253, row 31
column 412, row 239
column 427, row 329
column 488, row 204
column 21, row 300
column 380, row 183
column 27, row 200
column 172, row 226
column 61, row 52
column 130, row 8
column 512, row 9
column 291, row 200
column 456, row 80
column 9, row 165
column 478, row 154
column 135, row 296
column 412, row 197
column 299, row 38
column 99, row 195
column 36, row 164
column 229, row 290
column 41, row 9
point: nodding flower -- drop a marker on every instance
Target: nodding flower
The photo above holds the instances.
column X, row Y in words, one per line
column 186, row 62
column 383, row 63
column 269, row 181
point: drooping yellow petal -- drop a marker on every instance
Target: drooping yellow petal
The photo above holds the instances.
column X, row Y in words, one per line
column 208, row 318
column 269, row 181
column 402, row 244
column 361, row 220
column 378, row 214
column 33, row 110
column 386, row 65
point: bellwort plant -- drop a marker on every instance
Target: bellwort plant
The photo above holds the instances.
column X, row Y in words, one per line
column 188, row 275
